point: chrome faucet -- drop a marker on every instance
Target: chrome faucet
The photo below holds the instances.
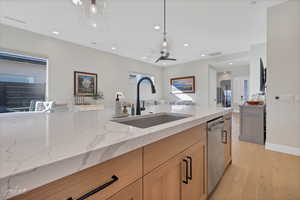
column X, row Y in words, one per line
column 138, row 103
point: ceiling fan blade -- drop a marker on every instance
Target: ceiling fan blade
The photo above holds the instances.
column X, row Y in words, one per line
column 160, row 58
column 172, row 59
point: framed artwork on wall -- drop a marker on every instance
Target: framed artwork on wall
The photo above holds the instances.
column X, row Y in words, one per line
column 183, row 85
column 85, row 84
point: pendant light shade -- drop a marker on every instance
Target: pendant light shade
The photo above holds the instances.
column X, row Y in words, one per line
column 91, row 13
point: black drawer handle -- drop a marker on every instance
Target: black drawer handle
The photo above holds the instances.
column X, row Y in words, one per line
column 186, row 181
column 114, row 178
column 191, row 168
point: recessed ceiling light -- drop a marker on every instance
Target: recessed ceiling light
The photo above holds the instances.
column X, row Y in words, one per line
column 55, row 32
column 113, row 48
column 156, row 27
column 231, row 63
column 186, row 45
column 94, row 25
column 203, row 55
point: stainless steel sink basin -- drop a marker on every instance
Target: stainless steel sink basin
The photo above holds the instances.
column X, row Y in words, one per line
column 150, row 120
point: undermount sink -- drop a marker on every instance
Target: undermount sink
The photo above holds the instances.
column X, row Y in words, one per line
column 150, row 120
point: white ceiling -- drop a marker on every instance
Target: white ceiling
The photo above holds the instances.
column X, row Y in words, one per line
column 208, row 26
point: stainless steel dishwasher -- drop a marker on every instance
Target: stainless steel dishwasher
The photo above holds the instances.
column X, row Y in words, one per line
column 216, row 162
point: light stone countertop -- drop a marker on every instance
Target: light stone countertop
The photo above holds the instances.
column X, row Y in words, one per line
column 38, row 148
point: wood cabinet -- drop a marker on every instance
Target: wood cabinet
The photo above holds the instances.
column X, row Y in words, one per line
column 196, row 189
column 183, row 177
column 164, row 182
column 174, row 168
column 159, row 152
column 114, row 174
column 228, row 135
column 131, row 192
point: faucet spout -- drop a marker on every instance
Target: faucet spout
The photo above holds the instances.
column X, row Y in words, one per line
column 138, row 103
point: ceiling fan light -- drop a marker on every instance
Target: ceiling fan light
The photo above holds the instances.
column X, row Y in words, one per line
column 165, row 43
column 93, row 8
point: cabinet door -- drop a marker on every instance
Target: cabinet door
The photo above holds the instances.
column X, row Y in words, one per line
column 131, row 192
column 164, row 182
column 227, row 146
column 196, row 188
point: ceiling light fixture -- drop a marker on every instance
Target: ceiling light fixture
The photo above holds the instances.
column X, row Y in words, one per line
column 164, row 52
column 231, row 63
column 77, row 2
column 93, row 7
column 186, row 45
column 113, row 48
column 203, row 55
column 144, row 57
column 55, row 32
column 94, row 25
column 156, row 27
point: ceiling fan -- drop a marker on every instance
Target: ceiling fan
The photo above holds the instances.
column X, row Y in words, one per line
column 164, row 53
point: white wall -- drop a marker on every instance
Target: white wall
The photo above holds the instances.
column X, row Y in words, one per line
column 212, row 74
column 65, row 57
column 283, row 54
column 199, row 69
column 257, row 51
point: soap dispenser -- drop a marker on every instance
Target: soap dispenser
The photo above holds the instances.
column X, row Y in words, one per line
column 118, row 106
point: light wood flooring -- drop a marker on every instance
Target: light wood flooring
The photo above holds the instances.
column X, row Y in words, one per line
column 258, row 174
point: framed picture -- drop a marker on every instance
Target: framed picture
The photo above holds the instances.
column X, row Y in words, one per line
column 85, row 84
column 183, row 85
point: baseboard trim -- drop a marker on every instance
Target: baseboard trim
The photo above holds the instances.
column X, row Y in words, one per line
column 283, row 149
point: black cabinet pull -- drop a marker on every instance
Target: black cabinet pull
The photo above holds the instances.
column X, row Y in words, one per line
column 186, row 181
column 114, row 178
column 191, row 168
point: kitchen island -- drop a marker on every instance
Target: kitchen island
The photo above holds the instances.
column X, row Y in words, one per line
column 36, row 149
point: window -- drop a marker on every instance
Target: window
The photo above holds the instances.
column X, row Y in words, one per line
column 22, row 82
column 135, row 77
column 145, row 88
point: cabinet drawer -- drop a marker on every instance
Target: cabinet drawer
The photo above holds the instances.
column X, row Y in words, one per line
column 131, row 192
column 159, row 152
column 128, row 169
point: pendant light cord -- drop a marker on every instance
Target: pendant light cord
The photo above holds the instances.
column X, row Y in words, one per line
column 165, row 18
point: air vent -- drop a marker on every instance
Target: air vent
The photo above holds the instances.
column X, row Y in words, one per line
column 215, row 54
column 14, row 20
